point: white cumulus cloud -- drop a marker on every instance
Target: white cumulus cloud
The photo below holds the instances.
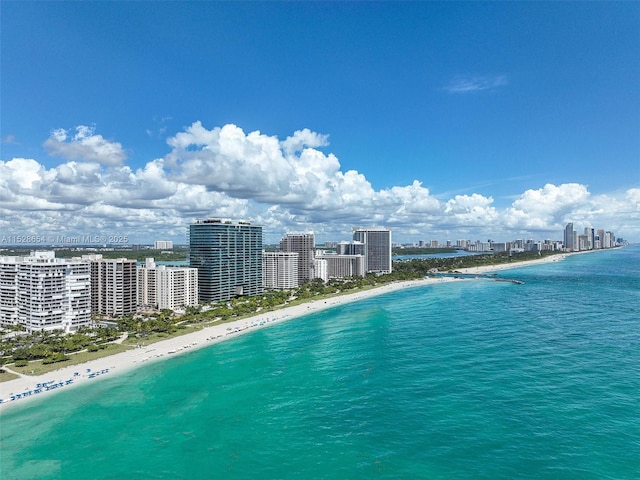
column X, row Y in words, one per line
column 284, row 185
column 549, row 207
column 471, row 210
column 85, row 146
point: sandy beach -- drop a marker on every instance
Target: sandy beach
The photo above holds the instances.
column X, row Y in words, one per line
column 506, row 266
column 29, row 387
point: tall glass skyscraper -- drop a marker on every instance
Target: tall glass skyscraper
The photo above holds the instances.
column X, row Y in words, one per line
column 569, row 238
column 228, row 256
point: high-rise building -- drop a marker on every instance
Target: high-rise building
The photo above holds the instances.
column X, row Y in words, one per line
column 353, row 248
column 609, row 239
column 176, row 287
column 167, row 287
column 590, row 232
column 569, row 238
column 114, row 285
column 304, row 245
column 42, row 292
column 147, row 284
column 8, row 291
column 228, row 256
column 583, row 243
column 341, row 266
column 320, row 269
column 500, row 246
column 163, row 245
column 377, row 248
column 280, row 270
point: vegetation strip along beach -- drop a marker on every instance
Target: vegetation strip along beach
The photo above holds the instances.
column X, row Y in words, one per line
column 153, row 348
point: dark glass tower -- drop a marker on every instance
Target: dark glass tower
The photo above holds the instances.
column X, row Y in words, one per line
column 228, row 256
column 569, row 238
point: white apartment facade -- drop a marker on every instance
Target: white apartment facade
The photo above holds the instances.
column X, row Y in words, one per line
column 176, row 287
column 165, row 287
column 9, row 291
column 43, row 292
column 342, row 266
column 321, row 269
column 280, row 270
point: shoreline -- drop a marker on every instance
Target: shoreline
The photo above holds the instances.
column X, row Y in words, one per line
column 508, row 266
column 20, row 391
column 525, row 263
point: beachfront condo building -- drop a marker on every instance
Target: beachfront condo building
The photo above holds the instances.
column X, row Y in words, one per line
column 590, row 240
column 342, row 266
column 607, row 239
column 42, row 292
column 570, row 239
column 147, row 285
column 160, row 286
column 304, row 244
column 228, row 256
column 377, row 248
column 320, row 269
column 280, row 270
column 114, row 284
column 590, row 232
column 8, row 291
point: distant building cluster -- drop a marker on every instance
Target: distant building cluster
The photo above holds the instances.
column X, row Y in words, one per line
column 573, row 242
column 339, row 260
column 591, row 239
column 226, row 260
column 231, row 261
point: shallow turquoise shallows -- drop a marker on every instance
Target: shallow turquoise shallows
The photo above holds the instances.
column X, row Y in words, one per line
column 464, row 380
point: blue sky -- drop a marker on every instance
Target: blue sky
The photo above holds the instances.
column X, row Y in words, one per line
column 444, row 120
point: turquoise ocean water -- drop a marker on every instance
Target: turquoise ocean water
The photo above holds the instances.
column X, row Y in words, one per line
column 470, row 380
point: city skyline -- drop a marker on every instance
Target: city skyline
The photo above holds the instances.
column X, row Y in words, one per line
column 437, row 120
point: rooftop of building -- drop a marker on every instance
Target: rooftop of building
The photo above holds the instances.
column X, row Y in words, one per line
column 219, row 221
